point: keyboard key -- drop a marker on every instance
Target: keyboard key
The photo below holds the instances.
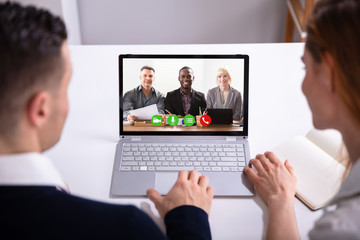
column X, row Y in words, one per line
column 216, row 169
column 129, row 163
column 231, row 154
column 207, row 169
column 241, row 164
column 226, row 164
column 143, row 168
column 229, row 149
column 171, row 169
column 125, row 169
column 228, row 159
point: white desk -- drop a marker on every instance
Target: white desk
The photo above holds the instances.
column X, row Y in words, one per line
column 277, row 112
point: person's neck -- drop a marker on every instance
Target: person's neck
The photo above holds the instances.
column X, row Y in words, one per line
column 351, row 138
column 224, row 88
column 185, row 91
column 146, row 91
column 18, row 143
column 350, row 131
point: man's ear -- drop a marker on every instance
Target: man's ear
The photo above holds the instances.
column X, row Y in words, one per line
column 329, row 61
column 38, row 109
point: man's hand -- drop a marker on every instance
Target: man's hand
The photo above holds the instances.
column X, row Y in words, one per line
column 189, row 189
column 131, row 118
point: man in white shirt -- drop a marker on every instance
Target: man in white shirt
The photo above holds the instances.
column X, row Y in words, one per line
column 35, row 72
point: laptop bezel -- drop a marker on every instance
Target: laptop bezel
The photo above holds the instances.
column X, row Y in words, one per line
column 245, row 96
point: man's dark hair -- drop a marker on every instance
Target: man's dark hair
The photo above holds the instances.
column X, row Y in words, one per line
column 186, row 67
column 148, row 68
column 31, row 43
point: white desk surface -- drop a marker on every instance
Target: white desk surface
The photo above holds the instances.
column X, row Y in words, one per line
column 278, row 111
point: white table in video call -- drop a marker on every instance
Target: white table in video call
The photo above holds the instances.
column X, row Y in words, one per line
column 278, row 111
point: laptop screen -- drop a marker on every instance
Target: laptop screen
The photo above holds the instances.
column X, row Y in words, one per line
column 180, row 94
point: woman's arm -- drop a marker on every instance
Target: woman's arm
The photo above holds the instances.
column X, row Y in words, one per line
column 275, row 182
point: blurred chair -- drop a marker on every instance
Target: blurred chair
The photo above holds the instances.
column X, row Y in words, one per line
column 297, row 16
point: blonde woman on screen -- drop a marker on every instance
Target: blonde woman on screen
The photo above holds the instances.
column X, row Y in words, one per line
column 225, row 96
column 332, row 88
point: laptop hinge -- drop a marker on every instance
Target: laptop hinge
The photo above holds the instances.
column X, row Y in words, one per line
column 135, row 138
column 230, row 139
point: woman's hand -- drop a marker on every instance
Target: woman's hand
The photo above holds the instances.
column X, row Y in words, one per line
column 274, row 181
column 276, row 184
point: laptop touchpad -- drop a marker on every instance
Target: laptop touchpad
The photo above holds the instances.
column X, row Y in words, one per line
column 165, row 181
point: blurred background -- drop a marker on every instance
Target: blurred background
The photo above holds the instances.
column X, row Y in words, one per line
column 113, row 22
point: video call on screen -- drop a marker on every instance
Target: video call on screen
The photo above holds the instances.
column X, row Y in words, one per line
column 167, row 72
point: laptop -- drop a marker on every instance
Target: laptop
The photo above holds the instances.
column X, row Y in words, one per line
column 220, row 115
column 149, row 156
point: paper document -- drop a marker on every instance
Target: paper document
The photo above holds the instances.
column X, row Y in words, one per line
column 145, row 113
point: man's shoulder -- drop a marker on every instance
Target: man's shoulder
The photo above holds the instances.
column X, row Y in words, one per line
column 157, row 92
column 133, row 91
column 31, row 206
column 173, row 92
column 197, row 93
column 37, row 196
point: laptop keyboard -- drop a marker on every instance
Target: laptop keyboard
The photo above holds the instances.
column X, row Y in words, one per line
column 143, row 157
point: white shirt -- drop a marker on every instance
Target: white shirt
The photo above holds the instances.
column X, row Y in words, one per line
column 29, row 169
column 341, row 219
